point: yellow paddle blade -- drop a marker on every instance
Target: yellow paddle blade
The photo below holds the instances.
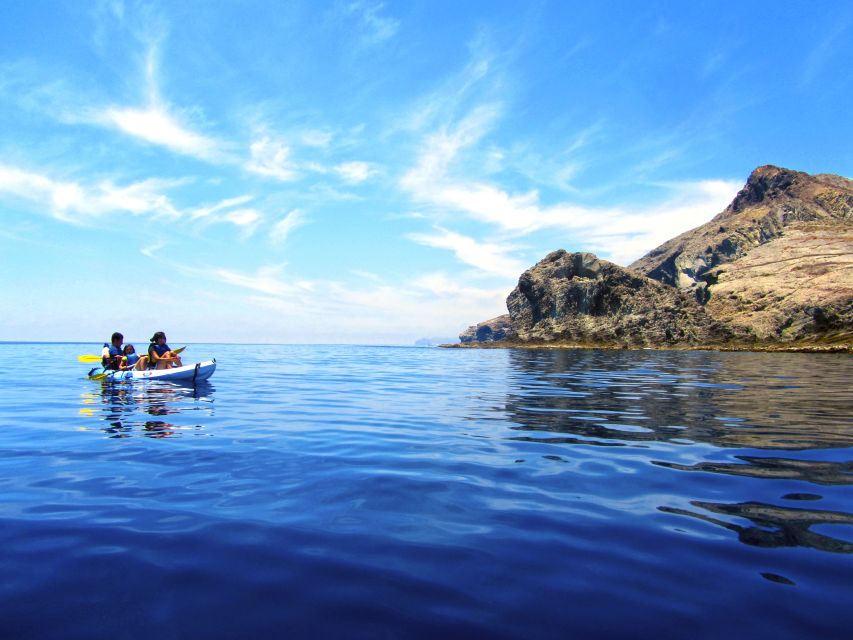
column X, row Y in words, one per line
column 98, row 376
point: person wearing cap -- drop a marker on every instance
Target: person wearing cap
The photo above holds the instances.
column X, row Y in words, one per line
column 160, row 354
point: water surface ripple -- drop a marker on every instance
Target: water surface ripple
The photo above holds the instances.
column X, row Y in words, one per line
column 361, row 492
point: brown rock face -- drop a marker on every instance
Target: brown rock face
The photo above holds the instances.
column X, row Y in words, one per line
column 488, row 331
column 776, row 264
column 575, row 298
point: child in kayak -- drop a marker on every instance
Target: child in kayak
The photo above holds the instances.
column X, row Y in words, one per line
column 160, row 354
column 133, row 360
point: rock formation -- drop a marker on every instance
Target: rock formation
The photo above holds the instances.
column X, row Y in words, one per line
column 773, row 270
column 489, row 331
column 776, row 264
column 575, row 298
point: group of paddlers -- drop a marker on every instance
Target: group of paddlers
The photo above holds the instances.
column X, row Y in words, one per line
column 118, row 356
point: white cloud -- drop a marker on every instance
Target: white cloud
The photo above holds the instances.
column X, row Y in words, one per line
column 317, row 138
column 77, row 203
column 488, row 257
column 151, row 250
column 355, row 172
column 283, row 228
column 442, row 147
column 154, row 124
column 271, row 158
column 208, row 210
column 621, row 232
column 440, row 284
column 267, row 280
column 369, row 312
column 243, row 217
column 374, row 27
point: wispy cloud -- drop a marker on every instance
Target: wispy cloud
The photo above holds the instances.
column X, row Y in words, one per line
column 445, row 182
column 271, row 158
column 338, row 312
column 155, row 122
column 822, row 53
column 284, row 227
column 205, row 211
column 321, row 138
column 155, row 125
column 356, row 171
column 373, row 27
column 488, row 257
column 78, row 203
column 621, row 233
column 269, row 280
column 440, row 148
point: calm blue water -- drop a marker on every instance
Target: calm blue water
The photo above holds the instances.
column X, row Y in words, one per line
column 359, row 492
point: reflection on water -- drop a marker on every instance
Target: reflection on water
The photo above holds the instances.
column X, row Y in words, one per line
column 149, row 409
column 727, row 401
column 816, row 471
column 775, row 526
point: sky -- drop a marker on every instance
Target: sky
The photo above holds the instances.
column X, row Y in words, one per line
column 370, row 172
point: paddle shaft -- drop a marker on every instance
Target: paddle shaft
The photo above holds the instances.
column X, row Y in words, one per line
column 93, row 358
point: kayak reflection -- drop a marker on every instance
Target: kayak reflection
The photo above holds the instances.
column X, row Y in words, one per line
column 154, row 410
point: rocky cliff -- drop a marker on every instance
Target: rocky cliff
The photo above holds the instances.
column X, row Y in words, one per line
column 492, row 330
column 776, row 264
column 575, row 298
column 773, row 270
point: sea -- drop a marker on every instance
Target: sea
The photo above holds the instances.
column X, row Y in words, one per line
column 394, row 492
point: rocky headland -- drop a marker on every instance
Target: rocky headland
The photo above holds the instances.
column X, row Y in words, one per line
column 773, row 271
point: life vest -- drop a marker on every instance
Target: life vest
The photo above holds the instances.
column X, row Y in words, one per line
column 159, row 349
column 111, row 361
column 131, row 359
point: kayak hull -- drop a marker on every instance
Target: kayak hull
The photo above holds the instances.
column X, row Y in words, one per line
column 188, row 373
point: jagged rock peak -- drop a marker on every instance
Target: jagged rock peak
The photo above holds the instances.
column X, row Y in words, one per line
column 766, row 181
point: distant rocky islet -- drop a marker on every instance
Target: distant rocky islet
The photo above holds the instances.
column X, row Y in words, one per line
column 773, row 271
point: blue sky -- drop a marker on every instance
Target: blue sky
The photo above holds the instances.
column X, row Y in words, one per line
column 378, row 172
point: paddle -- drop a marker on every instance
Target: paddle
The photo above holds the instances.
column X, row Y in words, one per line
column 93, row 358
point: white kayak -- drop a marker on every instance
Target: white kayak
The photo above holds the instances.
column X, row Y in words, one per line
column 188, row 373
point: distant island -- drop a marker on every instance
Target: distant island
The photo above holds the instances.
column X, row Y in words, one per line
column 773, row 271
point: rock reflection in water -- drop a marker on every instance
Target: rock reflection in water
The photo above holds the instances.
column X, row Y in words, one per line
column 728, row 400
column 753, row 402
column 816, row 471
column 143, row 409
column 775, row 526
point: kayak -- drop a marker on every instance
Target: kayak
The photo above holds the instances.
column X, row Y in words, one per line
column 188, row 373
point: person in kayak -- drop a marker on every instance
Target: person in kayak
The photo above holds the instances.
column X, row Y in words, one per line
column 133, row 360
column 160, row 354
column 111, row 354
